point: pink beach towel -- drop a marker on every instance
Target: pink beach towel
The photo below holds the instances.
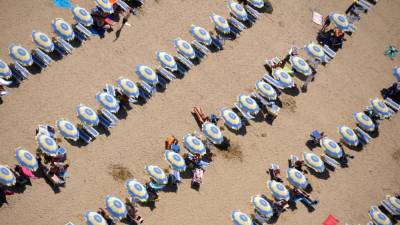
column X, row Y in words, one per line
column 28, row 173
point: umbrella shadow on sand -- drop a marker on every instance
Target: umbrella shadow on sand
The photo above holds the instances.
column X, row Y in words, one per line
column 323, row 176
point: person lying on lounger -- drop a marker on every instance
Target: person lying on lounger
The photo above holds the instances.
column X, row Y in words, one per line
column 105, row 215
column 275, row 174
column 200, row 115
column 297, row 164
column 133, row 213
column 303, row 196
column 279, row 206
column 101, row 19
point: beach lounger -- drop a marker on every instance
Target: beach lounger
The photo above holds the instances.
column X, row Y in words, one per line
column 270, row 106
column 83, row 32
column 365, row 5
column 110, row 89
column 392, row 104
column 105, row 122
column 362, row 135
column 43, row 57
column 252, row 12
column 246, row 115
column 330, row 161
column 67, row 47
column 166, row 74
column 352, row 28
column 292, row 160
column 54, row 179
column 389, row 208
column 175, row 177
column 268, row 78
column 84, row 136
column 107, row 114
column 123, row 5
column 203, row 49
column 38, row 62
column 185, row 61
column 218, row 42
column 148, row 88
column 20, row 70
column 155, row 186
column 236, row 23
column 329, row 52
column 90, row 130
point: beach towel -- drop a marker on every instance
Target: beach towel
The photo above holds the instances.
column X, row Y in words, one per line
column 330, row 220
column 64, row 4
column 28, row 173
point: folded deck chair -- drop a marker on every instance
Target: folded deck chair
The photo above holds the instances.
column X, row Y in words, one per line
column 203, row 49
column 245, row 114
column 64, row 45
column 82, row 32
column 329, row 52
column 107, row 114
column 389, row 208
column 362, row 135
column 392, row 104
column 252, row 12
column 236, row 23
column 268, row 78
column 330, row 161
column 110, row 89
column 84, row 136
column 185, row 61
column 166, row 74
column 90, row 130
column 42, row 56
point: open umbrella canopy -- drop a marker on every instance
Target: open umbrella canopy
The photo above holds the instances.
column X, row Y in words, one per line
column 7, row 178
column 396, row 72
column 108, row 101
column 63, row 29
column 26, row 159
column 193, row 144
column 212, row 132
column 47, row 144
column 116, row 207
column 262, row 206
column 237, row 10
column 348, row 135
column 257, row 3
column 136, row 190
column 278, row 190
column 87, row 115
column 221, row 24
column 67, row 129
column 331, row 148
column 340, row 21
column 175, row 160
column 296, row 178
column 300, row 65
column 147, row 74
column 380, row 107
column 82, row 16
column 394, row 203
column 231, row 119
column 248, row 104
column 43, row 41
column 266, row 90
column 167, row 61
column 93, row 218
column 184, row 48
column 378, row 217
column 105, row 5
column 364, row 121
column 20, row 55
column 200, row 34
column 283, row 77
column 129, row 87
column 314, row 162
column 5, row 71
column 157, row 174
column 239, row 218
column 315, row 50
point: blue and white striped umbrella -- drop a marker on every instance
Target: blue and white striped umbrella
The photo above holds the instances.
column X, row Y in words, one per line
column 394, row 203
column 20, row 55
column 282, row 76
column 296, row 178
column 262, row 206
column 300, row 65
column 221, row 24
column 257, row 3
column 348, row 135
column 175, row 160
column 231, row 119
column 364, row 121
column 237, row 10
column 315, row 50
column 378, row 217
column 167, row 61
column 314, row 162
column 212, row 133
column 380, row 107
column 137, row 190
column 266, row 90
column 278, row 190
column 157, row 174
column 396, row 72
column 116, row 207
column 26, row 159
column 147, row 74
column 6, row 176
column 239, row 218
column 87, row 115
column 5, row 71
column 200, row 34
column 67, row 129
column 93, row 218
column 82, row 16
column 105, row 5
column 47, row 144
column 248, row 104
column 108, row 101
column 331, row 148
column 184, row 48
column 63, row 29
column 340, row 21
column 43, row 41
column 193, row 144
column 129, row 87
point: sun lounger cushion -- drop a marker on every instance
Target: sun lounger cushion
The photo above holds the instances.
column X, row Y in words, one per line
column 330, row 161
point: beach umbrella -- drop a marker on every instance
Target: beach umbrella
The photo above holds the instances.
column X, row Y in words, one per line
column 116, row 207
column 20, row 55
column 220, row 23
column 394, row 202
column 194, row 145
column 378, row 217
column 237, row 10
column 231, row 119
column 364, row 121
column 314, row 162
column 43, row 41
column 340, row 21
column 175, row 160
column 248, row 104
column 262, row 206
column 82, row 16
column 266, row 90
column 184, row 48
column 212, row 132
column 105, row 5
column 157, row 174
column 26, row 159
column 396, row 72
column 239, row 218
column 129, row 87
column 257, row 3
column 348, row 135
column 200, row 34
column 315, row 50
column 300, row 65
column 108, row 101
column 167, row 61
column 67, row 129
column 87, row 115
column 283, row 77
column 136, row 190
column 47, row 144
column 93, row 218
column 296, row 178
column 63, row 29
column 278, row 190
column 331, row 148
column 6, row 176
column 5, row 71
column 380, row 107
column 147, row 74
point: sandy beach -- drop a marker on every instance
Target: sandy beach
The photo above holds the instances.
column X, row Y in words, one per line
column 358, row 73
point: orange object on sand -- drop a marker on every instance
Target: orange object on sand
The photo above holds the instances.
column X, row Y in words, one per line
column 109, row 21
column 200, row 115
column 330, row 220
column 170, row 140
column 113, row 1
